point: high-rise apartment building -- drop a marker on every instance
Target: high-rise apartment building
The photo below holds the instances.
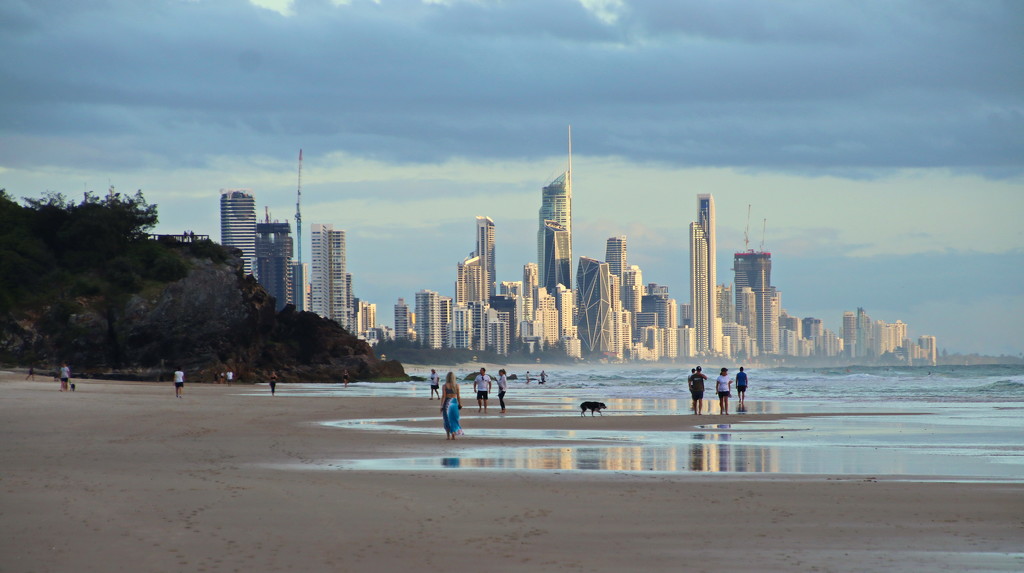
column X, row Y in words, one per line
column 485, row 250
column 274, row 259
column 471, row 281
column 704, row 276
column 329, row 282
column 430, row 323
column 556, row 206
column 531, row 279
column 594, row 306
column 402, row 320
column 238, row 224
column 615, row 256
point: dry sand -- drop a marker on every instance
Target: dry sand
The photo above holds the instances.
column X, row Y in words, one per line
column 125, row 477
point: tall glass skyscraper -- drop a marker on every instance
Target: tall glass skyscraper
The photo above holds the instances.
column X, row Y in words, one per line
column 704, row 277
column 556, row 257
column 615, row 255
column 556, row 206
column 753, row 270
column 594, row 321
column 273, row 259
column 238, row 224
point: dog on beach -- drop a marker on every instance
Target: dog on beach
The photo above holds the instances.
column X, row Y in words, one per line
column 593, row 407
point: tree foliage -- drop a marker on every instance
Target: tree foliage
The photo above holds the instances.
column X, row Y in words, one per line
column 53, row 248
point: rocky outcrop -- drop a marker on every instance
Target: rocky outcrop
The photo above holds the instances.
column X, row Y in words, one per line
column 211, row 321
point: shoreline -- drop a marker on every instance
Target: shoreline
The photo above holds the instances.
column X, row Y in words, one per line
column 124, row 472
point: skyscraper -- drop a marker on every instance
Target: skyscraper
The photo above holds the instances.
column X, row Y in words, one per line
column 485, row 250
column 273, row 259
column 401, row 320
column 470, row 281
column 556, row 206
column 593, row 300
column 430, row 323
column 238, row 224
column 329, row 281
column 753, row 270
column 615, row 256
column 556, row 257
column 704, row 276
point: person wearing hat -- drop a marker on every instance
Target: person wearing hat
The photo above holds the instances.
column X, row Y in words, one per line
column 696, row 383
column 724, row 386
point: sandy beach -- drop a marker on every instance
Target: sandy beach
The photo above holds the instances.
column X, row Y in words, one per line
column 125, row 477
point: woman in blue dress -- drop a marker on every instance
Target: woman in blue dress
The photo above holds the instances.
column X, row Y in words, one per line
column 450, row 406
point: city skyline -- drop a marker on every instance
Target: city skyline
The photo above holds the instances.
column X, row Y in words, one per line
column 882, row 143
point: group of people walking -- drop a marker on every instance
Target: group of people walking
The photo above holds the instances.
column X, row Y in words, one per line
column 723, row 387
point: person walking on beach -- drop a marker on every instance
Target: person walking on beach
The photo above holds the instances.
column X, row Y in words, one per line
column 65, row 376
column 451, row 403
column 528, row 377
column 741, row 385
column 696, row 383
column 724, row 387
column 543, row 377
column 435, row 384
column 482, row 385
column 502, row 387
column 31, row 373
column 179, row 382
column 273, row 382
column 344, row 377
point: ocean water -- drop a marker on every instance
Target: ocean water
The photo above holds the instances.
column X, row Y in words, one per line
column 921, row 423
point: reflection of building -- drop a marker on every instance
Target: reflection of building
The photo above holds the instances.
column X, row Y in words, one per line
column 238, row 224
column 594, row 320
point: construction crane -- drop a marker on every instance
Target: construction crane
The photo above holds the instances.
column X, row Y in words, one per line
column 298, row 210
column 746, row 231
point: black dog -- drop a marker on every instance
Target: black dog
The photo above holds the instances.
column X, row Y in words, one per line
column 593, row 407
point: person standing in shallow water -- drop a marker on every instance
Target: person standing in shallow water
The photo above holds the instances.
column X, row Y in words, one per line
column 741, row 385
column 724, row 386
column 696, row 383
column 502, row 387
column 482, row 385
column 450, row 406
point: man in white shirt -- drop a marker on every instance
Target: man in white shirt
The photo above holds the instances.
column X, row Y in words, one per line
column 435, row 384
column 483, row 386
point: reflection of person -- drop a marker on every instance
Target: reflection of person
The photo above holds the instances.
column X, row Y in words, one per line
column 435, row 384
column 502, row 387
column 724, row 385
column 482, row 385
column 696, row 383
column 179, row 382
column 741, row 385
column 450, row 405
column 273, row 382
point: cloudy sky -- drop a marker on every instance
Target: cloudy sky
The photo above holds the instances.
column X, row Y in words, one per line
column 877, row 145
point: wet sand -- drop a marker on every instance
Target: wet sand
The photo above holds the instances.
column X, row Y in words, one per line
column 123, row 476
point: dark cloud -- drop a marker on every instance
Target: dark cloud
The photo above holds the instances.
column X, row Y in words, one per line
column 828, row 86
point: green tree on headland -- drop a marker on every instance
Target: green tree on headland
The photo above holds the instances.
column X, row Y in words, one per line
column 53, row 249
